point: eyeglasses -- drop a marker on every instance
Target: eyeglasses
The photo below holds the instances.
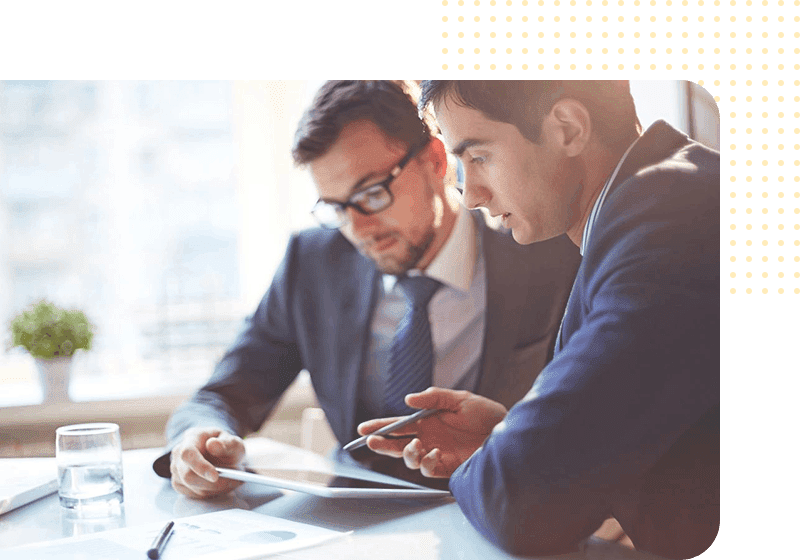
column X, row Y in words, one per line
column 371, row 200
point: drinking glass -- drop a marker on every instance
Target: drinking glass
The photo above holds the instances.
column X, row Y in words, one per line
column 89, row 458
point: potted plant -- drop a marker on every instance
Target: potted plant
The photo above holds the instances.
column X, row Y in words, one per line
column 52, row 335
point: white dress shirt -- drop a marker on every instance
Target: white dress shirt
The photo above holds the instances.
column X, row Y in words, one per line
column 457, row 313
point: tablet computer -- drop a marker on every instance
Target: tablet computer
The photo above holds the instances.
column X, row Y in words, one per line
column 329, row 485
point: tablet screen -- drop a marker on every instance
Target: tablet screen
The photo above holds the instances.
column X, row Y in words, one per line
column 324, row 479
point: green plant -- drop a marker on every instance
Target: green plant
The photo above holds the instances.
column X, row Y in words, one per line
column 48, row 331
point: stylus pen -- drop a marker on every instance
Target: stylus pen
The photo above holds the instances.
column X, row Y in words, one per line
column 362, row 441
column 161, row 541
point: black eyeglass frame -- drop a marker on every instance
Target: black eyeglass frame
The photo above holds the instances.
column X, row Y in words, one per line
column 341, row 207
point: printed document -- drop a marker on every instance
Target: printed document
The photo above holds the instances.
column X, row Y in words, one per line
column 233, row 534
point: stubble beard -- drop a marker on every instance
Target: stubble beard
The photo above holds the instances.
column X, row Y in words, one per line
column 409, row 257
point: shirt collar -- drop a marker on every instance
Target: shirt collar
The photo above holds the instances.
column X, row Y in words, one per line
column 587, row 229
column 455, row 262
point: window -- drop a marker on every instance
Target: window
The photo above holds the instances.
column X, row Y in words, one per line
column 703, row 115
column 159, row 208
column 685, row 105
column 660, row 100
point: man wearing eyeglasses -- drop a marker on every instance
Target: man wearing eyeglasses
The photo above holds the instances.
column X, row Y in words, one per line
column 344, row 303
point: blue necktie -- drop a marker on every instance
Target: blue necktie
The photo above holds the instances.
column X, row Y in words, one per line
column 411, row 355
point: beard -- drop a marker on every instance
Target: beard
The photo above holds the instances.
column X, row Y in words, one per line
column 402, row 258
column 405, row 254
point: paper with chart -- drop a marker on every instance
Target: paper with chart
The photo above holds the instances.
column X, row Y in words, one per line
column 233, row 534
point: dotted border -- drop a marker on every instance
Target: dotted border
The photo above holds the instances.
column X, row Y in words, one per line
column 743, row 53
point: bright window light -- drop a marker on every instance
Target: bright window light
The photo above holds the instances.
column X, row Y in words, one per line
column 161, row 209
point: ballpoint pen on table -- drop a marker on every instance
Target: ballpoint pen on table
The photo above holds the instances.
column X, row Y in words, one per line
column 161, row 541
column 362, row 441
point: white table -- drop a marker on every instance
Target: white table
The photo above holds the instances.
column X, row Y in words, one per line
column 383, row 529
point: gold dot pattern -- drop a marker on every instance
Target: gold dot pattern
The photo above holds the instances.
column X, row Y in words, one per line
column 743, row 52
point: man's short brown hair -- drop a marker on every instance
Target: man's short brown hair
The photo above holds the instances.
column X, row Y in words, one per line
column 525, row 103
column 390, row 105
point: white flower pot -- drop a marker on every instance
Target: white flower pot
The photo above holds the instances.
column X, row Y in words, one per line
column 54, row 377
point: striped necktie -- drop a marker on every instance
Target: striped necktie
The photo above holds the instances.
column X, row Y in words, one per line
column 411, row 355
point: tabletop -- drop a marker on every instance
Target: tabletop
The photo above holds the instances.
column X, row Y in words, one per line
column 382, row 529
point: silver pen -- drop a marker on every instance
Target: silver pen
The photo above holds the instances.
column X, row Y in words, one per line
column 362, row 441
column 157, row 548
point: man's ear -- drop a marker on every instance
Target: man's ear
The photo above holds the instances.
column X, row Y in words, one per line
column 437, row 156
column 569, row 121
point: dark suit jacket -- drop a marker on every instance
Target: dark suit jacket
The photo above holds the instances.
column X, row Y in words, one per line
column 624, row 420
column 316, row 316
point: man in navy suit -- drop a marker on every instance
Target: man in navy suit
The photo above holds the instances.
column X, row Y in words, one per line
column 334, row 303
column 624, row 421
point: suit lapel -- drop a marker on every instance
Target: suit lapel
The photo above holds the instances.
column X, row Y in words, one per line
column 358, row 302
column 657, row 143
column 571, row 313
column 503, row 308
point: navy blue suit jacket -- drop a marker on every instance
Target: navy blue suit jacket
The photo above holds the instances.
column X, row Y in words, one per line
column 624, row 421
column 317, row 314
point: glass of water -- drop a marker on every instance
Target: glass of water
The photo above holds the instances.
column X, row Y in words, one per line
column 89, row 458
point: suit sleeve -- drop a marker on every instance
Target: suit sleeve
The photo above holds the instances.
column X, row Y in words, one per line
column 254, row 372
column 641, row 368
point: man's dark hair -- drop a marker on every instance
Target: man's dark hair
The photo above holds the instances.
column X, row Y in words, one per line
column 525, row 103
column 390, row 105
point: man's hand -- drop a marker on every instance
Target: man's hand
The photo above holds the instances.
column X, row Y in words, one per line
column 192, row 462
column 443, row 441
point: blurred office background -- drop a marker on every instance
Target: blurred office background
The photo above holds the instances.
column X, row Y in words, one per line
column 162, row 209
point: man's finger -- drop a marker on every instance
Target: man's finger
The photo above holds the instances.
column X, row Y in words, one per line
column 390, row 447
column 198, row 437
column 225, row 485
column 438, row 398
column 230, row 441
column 183, row 489
column 412, row 454
column 195, row 481
column 376, row 424
column 431, row 465
column 194, row 460
column 187, row 475
column 225, row 445
column 197, row 486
